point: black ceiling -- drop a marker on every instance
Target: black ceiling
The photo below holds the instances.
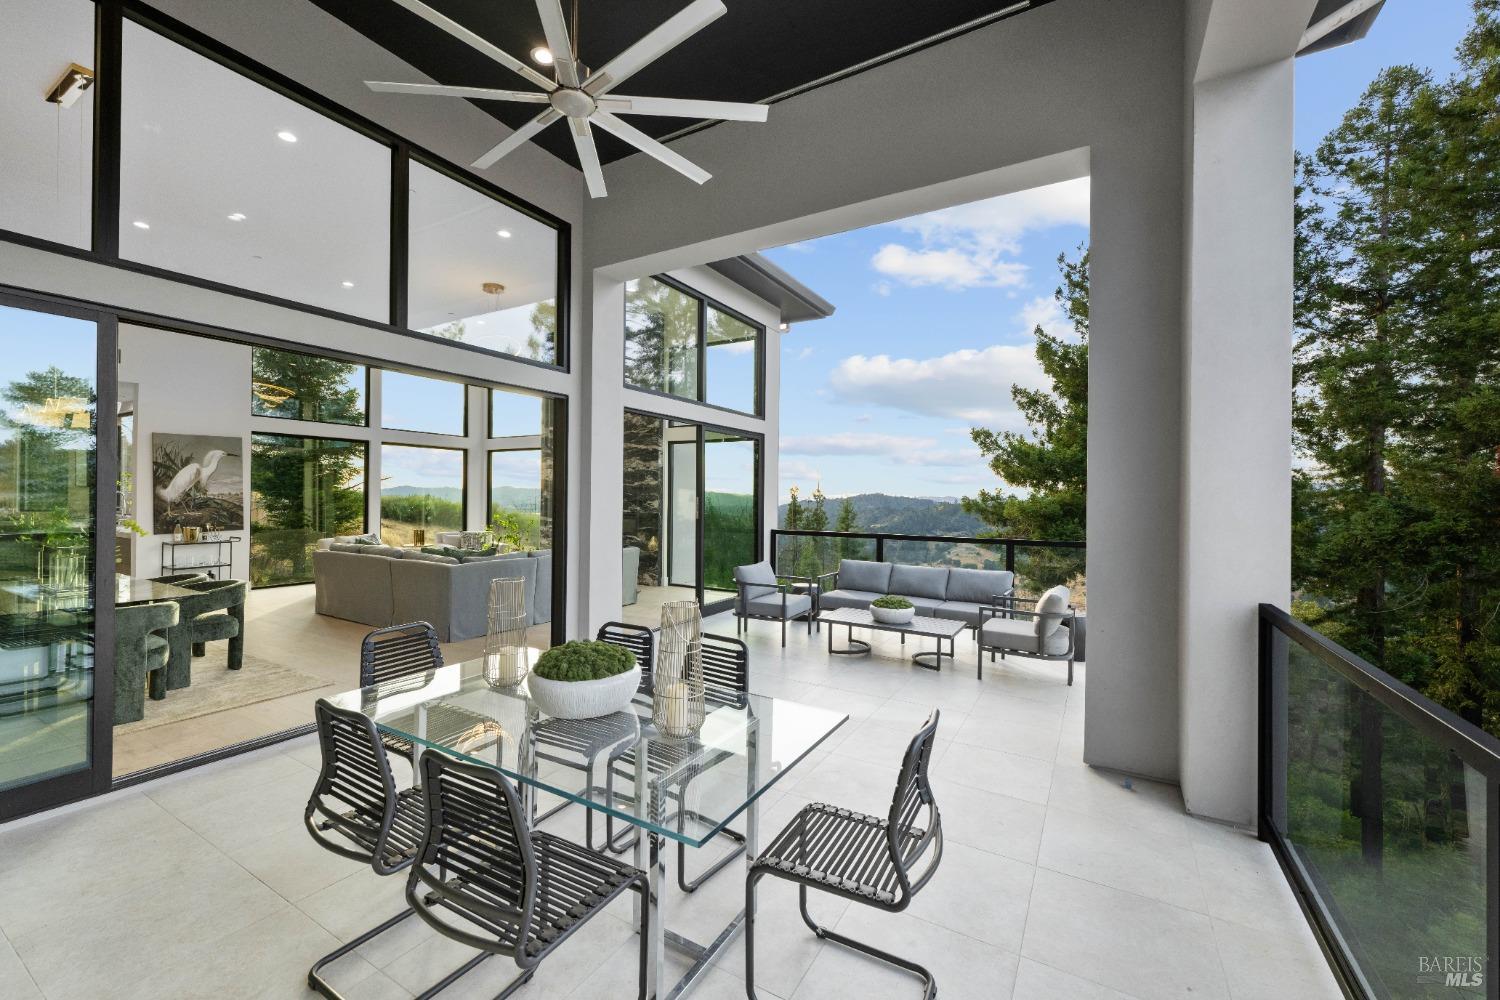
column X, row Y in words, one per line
column 759, row 49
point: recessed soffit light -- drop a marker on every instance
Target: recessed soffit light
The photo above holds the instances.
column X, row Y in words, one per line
column 141, row 224
column 348, row 284
column 504, row 234
column 286, row 136
column 236, row 216
column 541, row 55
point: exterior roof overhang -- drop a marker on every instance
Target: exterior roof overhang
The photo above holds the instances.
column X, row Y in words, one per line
column 763, row 279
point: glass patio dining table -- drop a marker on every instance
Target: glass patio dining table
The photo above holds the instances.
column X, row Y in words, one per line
column 680, row 791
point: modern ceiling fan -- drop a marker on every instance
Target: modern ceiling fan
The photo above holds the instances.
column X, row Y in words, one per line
column 586, row 98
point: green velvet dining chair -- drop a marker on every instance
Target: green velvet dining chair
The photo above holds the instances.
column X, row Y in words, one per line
column 141, row 648
column 201, row 623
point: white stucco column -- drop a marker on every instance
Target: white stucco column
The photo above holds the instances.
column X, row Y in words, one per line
column 600, row 359
column 1235, row 545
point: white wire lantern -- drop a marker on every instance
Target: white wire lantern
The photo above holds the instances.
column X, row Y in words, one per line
column 677, row 691
column 506, row 657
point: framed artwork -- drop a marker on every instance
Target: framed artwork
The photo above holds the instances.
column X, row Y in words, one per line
column 197, row 480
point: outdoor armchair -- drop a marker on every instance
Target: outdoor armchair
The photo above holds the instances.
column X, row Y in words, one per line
column 764, row 595
column 1045, row 632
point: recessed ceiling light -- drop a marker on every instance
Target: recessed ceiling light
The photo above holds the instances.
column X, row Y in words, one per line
column 236, row 216
column 139, row 224
column 541, row 55
column 504, row 234
column 286, row 136
column 348, row 284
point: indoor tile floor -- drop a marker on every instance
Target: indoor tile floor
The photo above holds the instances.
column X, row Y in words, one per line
column 1058, row 881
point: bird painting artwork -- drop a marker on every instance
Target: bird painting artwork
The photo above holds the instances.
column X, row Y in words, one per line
column 197, row 480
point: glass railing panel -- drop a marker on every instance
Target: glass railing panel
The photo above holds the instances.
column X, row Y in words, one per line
column 804, row 555
column 943, row 552
column 1041, row 567
column 1386, row 825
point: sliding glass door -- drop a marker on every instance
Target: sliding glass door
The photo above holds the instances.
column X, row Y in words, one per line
column 691, row 502
column 54, row 746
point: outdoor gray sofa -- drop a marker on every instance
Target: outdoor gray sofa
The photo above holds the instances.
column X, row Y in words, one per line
column 936, row 591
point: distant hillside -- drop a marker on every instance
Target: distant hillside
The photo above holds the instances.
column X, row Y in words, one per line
column 904, row 515
column 440, row 492
column 522, row 498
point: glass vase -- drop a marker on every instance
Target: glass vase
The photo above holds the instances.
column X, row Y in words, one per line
column 507, row 659
column 677, row 691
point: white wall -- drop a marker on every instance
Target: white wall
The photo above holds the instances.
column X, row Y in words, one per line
column 187, row 385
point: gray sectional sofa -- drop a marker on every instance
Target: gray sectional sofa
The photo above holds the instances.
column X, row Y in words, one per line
column 382, row 585
column 937, row 591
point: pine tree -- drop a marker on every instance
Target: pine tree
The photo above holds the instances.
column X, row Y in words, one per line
column 1051, row 461
column 847, row 520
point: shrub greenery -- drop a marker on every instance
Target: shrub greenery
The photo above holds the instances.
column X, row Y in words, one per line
column 892, row 602
column 583, row 660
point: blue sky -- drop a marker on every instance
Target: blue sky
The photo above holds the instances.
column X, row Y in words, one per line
column 935, row 313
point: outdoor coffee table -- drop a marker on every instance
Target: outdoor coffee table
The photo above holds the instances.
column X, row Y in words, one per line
column 934, row 628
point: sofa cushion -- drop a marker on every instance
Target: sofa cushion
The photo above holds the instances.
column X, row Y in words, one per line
column 861, row 574
column 759, row 579
column 919, row 581
column 925, row 607
column 367, row 539
column 959, row 611
column 979, row 586
column 364, row 549
column 842, row 598
column 1053, row 602
column 1010, row 633
column 770, row 605
column 425, row 556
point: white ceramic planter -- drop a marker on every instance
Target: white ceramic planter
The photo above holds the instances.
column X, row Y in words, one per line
column 584, row 699
column 893, row 616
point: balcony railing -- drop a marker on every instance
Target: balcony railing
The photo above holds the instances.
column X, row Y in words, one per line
column 1383, row 808
column 1038, row 564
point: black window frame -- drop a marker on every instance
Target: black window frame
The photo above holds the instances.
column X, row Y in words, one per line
column 463, row 492
column 706, row 302
column 104, row 248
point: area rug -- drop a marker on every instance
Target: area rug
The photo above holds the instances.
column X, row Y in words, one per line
column 216, row 689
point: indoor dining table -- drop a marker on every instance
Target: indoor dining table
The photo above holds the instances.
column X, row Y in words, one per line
column 715, row 785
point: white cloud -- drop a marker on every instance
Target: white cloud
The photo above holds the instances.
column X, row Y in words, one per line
column 794, row 473
column 801, row 246
column 1044, row 312
column 804, row 354
column 735, row 347
column 951, row 268
column 966, row 246
column 965, row 385
column 881, row 288
column 899, row 448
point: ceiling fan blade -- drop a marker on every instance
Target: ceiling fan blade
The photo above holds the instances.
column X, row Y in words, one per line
column 474, row 41
column 441, row 90
column 555, row 27
column 588, row 156
column 673, row 107
column 649, row 146
column 672, row 32
column 517, row 138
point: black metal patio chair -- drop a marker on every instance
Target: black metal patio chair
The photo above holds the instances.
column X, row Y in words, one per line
column 356, row 812
column 726, row 678
column 410, row 652
column 510, row 890
column 864, row 859
column 578, row 743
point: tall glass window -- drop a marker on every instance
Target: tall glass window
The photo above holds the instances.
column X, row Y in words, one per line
column 301, row 489
column 418, row 403
column 420, row 488
column 731, row 362
column 306, row 387
column 730, row 465
column 47, row 119
column 520, row 471
column 224, row 179
column 47, row 476
column 661, row 338
column 479, row 271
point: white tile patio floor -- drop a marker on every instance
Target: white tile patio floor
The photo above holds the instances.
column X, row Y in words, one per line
column 1059, row 881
